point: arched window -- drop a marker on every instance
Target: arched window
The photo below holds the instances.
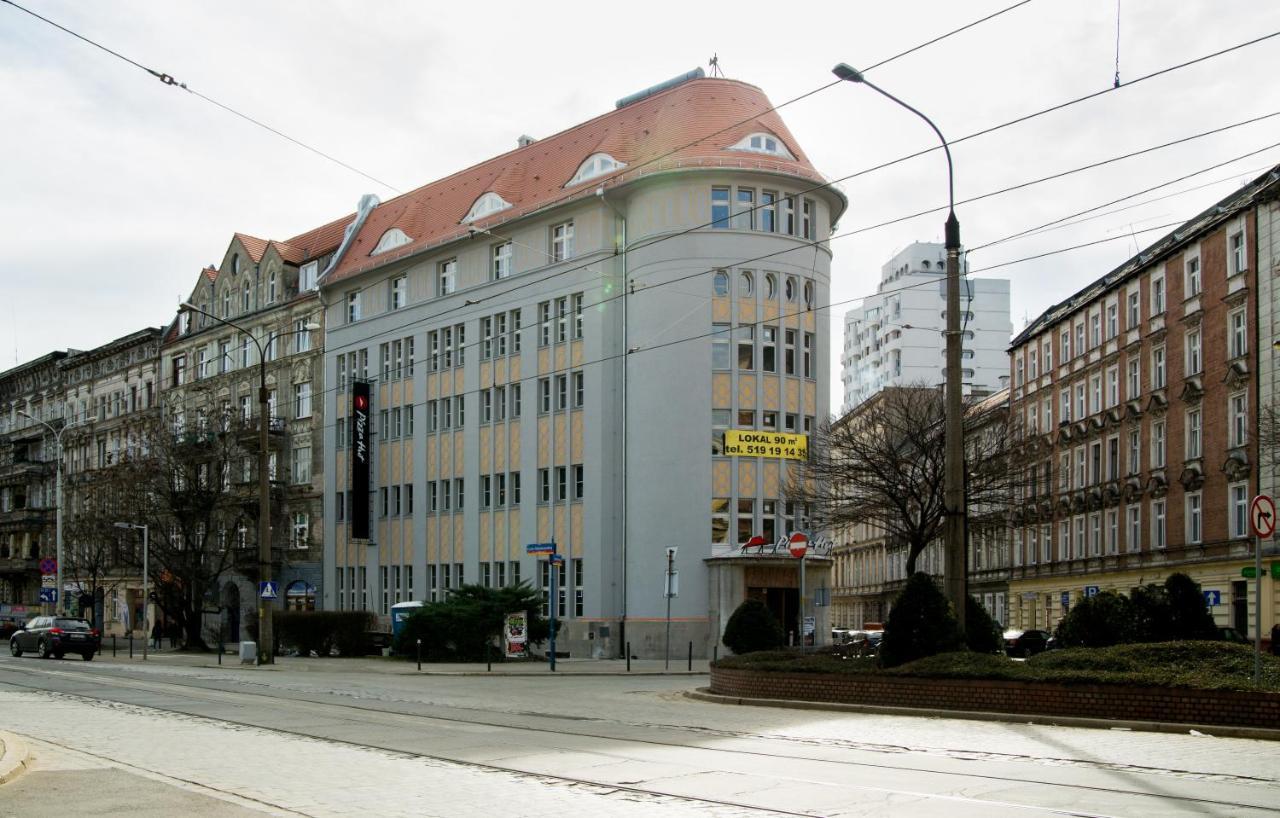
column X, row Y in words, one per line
column 393, row 238
column 226, row 302
column 235, row 263
column 271, row 288
column 746, row 284
column 720, row 283
column 925, row 264
column 597, row 164
column 770, row 286
column 763, row 143
column 246, row 301
column 790, row 291
column 486, row 205
column 808, row 295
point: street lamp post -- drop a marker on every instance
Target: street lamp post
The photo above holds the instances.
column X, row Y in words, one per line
column 57, row 439
column 146, row 584
column 956, row 522
column 266, row 636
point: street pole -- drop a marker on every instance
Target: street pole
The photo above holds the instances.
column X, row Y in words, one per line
column 666, row 591
column 956, row 518
column 551, row 607
column 1257, row 610
column 803, row 606
column 146, row 589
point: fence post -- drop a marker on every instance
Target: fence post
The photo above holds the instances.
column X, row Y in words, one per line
column 691, row 656
column 628, row 657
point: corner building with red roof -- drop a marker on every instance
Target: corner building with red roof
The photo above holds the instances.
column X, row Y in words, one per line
column 556, row 340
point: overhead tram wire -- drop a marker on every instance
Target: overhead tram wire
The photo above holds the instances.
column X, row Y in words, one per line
column 931, row 281
column 501, row 300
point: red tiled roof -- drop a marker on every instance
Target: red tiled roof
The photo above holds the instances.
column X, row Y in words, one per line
column 288, row 252
column 534, row 176
column 320, row 240
column 255, row 247
column 210, row 273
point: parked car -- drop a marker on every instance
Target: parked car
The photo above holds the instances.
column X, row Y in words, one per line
column 9, row 625
column 56, row 636
column 1233, row 635
column 1025, row 643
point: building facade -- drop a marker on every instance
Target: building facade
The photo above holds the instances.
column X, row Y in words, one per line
column 895, row 337
column 556, row 341
column 1139, row 400
column 257, row 315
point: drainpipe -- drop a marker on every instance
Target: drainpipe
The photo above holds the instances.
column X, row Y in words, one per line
column 620, row 247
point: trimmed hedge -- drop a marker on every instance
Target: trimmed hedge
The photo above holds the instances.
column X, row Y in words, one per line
column 752, row 628
column 322, row 631
column 921, row 623
column 1195, row 665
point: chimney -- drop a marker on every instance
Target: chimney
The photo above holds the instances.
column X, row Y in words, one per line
column 525, row 141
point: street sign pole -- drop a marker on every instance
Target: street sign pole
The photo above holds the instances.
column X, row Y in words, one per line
column 554, row 569
column 667, row 591
column 1262, row 519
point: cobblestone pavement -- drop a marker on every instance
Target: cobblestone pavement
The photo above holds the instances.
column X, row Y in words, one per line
column 326, row 741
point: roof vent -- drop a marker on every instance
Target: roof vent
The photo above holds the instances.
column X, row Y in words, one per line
column 695, row 74
column 525, row 141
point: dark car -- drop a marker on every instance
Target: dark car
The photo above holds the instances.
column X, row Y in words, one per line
column 9, row 625
column 1025, row 643
column 56, row 636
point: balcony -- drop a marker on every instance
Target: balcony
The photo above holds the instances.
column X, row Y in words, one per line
column 25, row 519
column 18, row 565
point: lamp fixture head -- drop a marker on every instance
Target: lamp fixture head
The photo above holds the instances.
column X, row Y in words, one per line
column 847, row 72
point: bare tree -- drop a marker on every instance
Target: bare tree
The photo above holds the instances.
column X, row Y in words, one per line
column 194, row 490
column 883, row 464
column 94, row 559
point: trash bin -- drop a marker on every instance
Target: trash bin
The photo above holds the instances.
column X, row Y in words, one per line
column 248, row 653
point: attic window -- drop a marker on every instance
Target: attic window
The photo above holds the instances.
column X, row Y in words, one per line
column 763, row 143
column 487, row 204
column 393, row 238
column 597, row 164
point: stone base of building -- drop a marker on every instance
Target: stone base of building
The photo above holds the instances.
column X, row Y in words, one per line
column 605, row 639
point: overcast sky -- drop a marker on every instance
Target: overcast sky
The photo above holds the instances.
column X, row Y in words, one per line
column 115, row 189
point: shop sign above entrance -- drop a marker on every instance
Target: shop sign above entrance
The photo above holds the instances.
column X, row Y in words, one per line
column 810, row 545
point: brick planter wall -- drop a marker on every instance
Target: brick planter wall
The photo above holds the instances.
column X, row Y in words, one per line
column 1233, row 708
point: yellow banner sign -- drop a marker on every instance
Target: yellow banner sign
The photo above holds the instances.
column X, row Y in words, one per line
column 739, row 443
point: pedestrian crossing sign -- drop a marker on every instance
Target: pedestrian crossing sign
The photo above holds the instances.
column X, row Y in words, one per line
column 269, row 590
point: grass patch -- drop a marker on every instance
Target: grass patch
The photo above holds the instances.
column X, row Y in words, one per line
column 1196, row 665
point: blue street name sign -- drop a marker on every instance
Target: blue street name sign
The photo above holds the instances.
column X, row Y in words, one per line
column 1090, row 590
column 540, row 548
column 557, row 558
column 49, row 595
column 1066, row 600
column 1212, row 598
column 269, row 590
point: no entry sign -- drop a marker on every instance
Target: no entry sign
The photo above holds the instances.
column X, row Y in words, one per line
column 1262, row 516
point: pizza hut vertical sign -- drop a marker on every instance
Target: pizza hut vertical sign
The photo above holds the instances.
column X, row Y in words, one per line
column 360, row 460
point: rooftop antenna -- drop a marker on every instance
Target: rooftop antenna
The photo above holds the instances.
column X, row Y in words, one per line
column 1117, row 80
column 715, row 66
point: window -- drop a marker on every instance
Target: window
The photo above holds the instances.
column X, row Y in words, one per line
column 1113, row 387
column 1238, row 337
column 1095, row 392
column 544, row 485
column 768, row 212
column 1113, row 321
column 1095, row 534
column 746, row 284
column 562, row 241
column 762, row 143
column 789, row 215
column 579, row 390
column 579, row 485
column 458, row 485
column 515, row 400
column 1193, row 434
column 1195, row 360
column 1079, row 343
column 1238, row 509
column 719, row 208
column 1195, row 522
column 1113, row 458
column 515, row 332
column 720, row 283
column 544, row 395
column 447, row 277
column 307, row 275
column 577, row 316
column 1133, row 527
column 769, row 349
column 1065, row 344
column 302, row 400
column 353, row 306
column 1135, row 310
column 271, row 288
column 302, row 464
column 1157, row 368
column 1134, row 386
column 393, row 238
column 486, row 405
column 746, row 348
column 720, row 360
column 1157, row 294
column 399, row 288
column 1237, row 262
column 562, row 392
column 486, row 491
column 501, row 265
column 487, row 204
column 597, row 164
column 746, row 519
column 1157, row 444
column 789, row 352
column 544, row 323
column 1135, row 451
column 806, row 220
column 808, row 354
column 744, row 214
column 1238, row 419
column 1192, row 277
column 1095, row 330
column 720, row 521
column 515, row 500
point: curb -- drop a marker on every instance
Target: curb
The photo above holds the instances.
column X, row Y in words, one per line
column 14, row 759
column 704, row 694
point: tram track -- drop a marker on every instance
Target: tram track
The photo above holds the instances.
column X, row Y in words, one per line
column 388, row 715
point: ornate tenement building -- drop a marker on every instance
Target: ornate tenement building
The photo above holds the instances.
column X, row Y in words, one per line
column 1139, row 399
column 265, row 294
column 557, row 340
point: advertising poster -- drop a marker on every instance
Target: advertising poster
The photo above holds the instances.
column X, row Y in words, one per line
column 515, row 634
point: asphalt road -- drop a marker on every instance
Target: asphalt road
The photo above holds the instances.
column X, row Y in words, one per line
column 324, row 737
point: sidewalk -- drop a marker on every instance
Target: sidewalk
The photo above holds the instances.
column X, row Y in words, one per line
column 396, row 665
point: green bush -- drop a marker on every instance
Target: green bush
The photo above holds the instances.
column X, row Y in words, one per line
column 1097, row 621
column 465, row 625
column 751, row 628
column 1152, row 615
column 1189, row 616
column 921, row 623
column 321, row 631
column 981, row 633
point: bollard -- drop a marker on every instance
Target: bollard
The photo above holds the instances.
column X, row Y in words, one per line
column 690, row 656
column 221, row 648
column 628, row 657
column 715, row 653
column 419, row 654
column 113, row 646
column 488, row 657
column 130, row 644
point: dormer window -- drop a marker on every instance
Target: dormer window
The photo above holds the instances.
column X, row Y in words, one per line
column 393, row 238
column 597, row 164
column 763, row 143
column 486, row 205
